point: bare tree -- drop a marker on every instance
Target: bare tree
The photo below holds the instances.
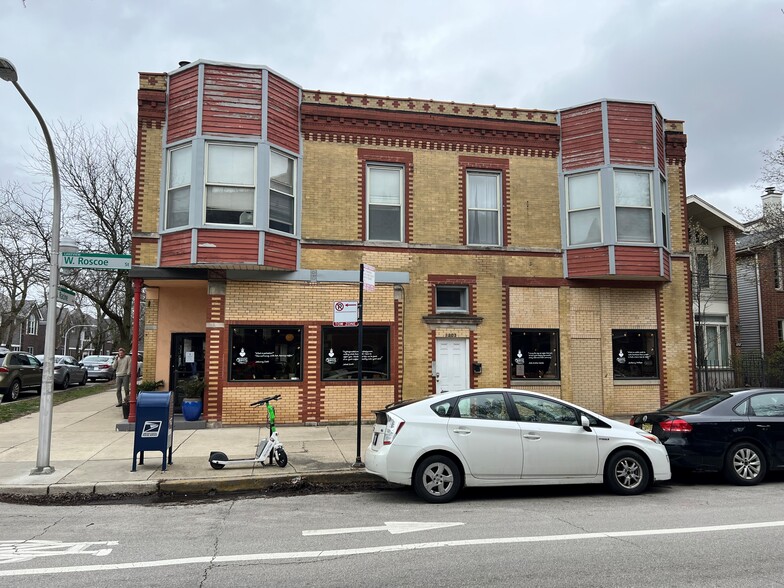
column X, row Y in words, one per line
column 22, row 258
column 773, row 165
column 97, row 171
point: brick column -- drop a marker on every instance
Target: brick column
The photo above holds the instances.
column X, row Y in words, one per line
column 214, row 351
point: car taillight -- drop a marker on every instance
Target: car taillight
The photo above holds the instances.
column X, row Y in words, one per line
column 676, row 426
column 631, row 421
column 392, row 429
column 3, row 370
column 103, row 367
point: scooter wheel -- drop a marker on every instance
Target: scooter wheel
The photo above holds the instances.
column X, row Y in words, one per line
column 281, row 457
column 218, row 456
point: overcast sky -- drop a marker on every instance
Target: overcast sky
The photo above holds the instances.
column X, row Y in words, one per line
column 716, row 64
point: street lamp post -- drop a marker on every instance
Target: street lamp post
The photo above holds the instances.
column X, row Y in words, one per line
column 65, row 337
column 42, row 465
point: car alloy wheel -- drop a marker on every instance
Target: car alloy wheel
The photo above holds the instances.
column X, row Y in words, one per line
column 14, row 390
column 627, row 473
column 437, row 479
column 745, row 465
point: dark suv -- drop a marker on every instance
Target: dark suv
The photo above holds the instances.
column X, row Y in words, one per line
column 18, row 371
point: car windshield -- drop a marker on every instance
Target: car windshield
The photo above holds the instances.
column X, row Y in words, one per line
column 697, row 403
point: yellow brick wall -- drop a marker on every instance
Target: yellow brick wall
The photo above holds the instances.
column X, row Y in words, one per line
column 436, row 218
column 675, row 332
column 534, row 202
column 152, row 145
column 150, row 338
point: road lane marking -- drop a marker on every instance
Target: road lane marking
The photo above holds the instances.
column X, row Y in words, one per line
column 394, row 527
column 18, row 551
column 331, row 553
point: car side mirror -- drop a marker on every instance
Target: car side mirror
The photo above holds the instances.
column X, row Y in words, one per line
column 585, row 422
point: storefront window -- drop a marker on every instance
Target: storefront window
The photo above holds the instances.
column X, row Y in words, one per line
column 635, row 354
column 265, row 353
column 339, row 359
column 534, row 354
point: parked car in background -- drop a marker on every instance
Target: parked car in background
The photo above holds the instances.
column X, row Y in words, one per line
column 500, row 437
column 99, row 367
column 67, row 371
column 739, row 433
column 18, row 371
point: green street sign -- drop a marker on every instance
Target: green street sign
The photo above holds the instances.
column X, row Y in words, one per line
column 65, row 296
column 99, row 261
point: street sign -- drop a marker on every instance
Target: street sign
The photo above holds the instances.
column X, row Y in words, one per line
column 369, row 278
column 65, row 296
column 99, row 261
column 344, row 313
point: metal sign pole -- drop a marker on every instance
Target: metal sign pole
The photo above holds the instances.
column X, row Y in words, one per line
column 358, row 463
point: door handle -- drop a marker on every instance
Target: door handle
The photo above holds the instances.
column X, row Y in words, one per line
column 763, row 426
column 462, row 431
column 532, row 436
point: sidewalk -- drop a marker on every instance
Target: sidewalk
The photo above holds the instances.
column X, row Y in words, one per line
column 91, row 457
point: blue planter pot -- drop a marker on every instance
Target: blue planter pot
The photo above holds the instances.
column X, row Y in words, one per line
column 191, row 409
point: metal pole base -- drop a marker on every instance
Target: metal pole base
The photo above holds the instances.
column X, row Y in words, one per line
column 42, row 471
column 358, row 463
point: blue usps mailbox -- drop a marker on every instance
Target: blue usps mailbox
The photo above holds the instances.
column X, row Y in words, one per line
column 154, row 425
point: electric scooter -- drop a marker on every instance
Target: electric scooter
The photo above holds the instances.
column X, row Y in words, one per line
column 271, row 447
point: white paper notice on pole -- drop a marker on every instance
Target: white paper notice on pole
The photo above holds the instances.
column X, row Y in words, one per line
column 345, row 313
column 369, row 278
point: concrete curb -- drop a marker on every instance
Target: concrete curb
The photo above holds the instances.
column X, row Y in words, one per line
column 195, row 486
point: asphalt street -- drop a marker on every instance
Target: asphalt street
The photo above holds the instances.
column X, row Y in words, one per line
column 697, row 532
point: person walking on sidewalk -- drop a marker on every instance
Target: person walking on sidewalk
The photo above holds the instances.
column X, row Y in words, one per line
column 122, row 371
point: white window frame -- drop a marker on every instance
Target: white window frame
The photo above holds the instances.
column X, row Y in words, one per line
column 497, row 209
column 721, row 324
column 462, row 290
column 665, row 209
column 781, row 329
column 370, row 167
column 597, row 208
column 650, row 207
column 30, row 350
column 293, row 194
column 32, row 325
column 207, row 146
column 170, row 188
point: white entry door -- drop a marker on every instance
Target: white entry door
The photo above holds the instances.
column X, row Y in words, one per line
column 451, row 364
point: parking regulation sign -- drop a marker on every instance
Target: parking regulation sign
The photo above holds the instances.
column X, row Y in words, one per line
column 345, row 313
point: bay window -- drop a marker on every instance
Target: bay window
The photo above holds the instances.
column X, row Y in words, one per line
column 633, row 206
column 281, row 192
column 665, row 206
column 384, row 203
column 484, row 208
column 583, row 198
column 230, row 191
column 178, row 187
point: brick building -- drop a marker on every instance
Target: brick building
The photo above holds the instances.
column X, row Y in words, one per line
column 540, row 249
column 760, row 263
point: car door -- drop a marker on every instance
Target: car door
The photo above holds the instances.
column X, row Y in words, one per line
column 766, row 417
column 35, row 370
column 554, row 442
column 486, row 436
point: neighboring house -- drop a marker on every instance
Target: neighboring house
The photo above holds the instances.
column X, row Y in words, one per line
column 714, row 294
column 29, row 332
column 760, row 262
column 539, row 249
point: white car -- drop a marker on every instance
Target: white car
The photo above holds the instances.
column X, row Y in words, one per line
column 500, row 437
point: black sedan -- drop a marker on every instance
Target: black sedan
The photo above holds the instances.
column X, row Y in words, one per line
column 737, row 432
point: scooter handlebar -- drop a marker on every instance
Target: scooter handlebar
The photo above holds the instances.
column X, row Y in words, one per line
column 265, row 400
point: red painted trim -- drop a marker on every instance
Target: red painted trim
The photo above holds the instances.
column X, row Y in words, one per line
column 662, row 362
column 506, row 318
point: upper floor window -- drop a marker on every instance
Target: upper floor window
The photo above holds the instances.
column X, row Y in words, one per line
column 633, row 207
column 664, row 208
column 484, row 208
column 582, row 193
column 32, row 325
column 384, row 203
column 282, row 199
column 178, row 187
column 230, row 192
column 703, row 270
column 778, row 274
